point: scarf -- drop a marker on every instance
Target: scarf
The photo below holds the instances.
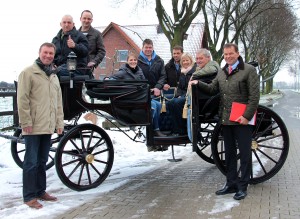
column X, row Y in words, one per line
column 48, row 69
column 134, row 70
column 186, row 70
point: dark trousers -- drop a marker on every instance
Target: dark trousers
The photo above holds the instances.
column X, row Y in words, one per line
column 34, row 165
column 175, row 107
column 238, row 136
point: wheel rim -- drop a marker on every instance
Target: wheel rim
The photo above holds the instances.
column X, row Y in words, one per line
column 270, row 146
column 84, row 157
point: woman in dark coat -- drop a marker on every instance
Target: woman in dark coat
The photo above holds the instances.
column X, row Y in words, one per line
column 175, row 106
column 131, row 70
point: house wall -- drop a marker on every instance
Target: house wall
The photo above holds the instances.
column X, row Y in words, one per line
column 113, row 41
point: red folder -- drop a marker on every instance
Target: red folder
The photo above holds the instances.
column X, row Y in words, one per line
column 237, row 110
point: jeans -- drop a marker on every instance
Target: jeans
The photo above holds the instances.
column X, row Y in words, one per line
column 175, row 107
column 155, row 109
column 34, row 165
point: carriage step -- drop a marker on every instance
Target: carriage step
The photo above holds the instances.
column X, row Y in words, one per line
column 113, row 124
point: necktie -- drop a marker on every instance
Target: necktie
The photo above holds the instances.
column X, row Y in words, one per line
column 229, row 69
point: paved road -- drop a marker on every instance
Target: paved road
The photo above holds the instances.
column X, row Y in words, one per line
column 187, row 189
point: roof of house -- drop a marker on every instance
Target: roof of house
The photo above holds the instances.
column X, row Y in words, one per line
column 135, row 34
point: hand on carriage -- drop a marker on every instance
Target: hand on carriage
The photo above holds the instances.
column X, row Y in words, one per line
column 166, row 87
column 193, row 82
column 156, row 91
column 91, row 65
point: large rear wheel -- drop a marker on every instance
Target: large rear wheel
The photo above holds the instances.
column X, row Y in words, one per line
column 270, row 146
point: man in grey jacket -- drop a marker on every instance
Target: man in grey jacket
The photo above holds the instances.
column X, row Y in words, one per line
column 96, row 46
column 236, row 82
column 40, row 113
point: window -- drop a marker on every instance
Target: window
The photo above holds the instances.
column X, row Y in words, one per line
column 102, row 65
column 122, row 55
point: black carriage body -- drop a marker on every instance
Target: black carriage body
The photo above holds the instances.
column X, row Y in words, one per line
column 129, row 102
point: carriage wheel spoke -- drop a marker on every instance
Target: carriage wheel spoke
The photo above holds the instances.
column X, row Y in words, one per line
column 90, row 140
column 88, row 174
column 73, row 171
column 82, row 141
column 269, row 138
column 270, row 147
column 270, row 158
column 70, row 162
column 100, row 161
column 259, row 161
column 94, row 168
column 80, row 174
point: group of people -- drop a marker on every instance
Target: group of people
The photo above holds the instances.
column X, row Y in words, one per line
column 237, row 81
column 41, row 112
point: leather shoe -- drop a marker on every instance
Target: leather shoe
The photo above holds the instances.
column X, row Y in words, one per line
column 47, row 197
column 159, row 134
column 34, row 204
column 226, row 190
column 240, row 195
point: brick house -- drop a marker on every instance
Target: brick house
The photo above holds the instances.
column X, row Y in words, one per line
column 119, row 40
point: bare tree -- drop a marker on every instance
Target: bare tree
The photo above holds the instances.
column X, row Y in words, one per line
column 226, row 19
column 183, row 15
column 175, row 27
column 269, row 38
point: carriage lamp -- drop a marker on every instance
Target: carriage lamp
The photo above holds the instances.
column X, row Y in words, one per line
column 71, row 66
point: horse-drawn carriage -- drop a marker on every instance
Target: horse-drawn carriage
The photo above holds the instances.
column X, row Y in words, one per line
column 84, row 154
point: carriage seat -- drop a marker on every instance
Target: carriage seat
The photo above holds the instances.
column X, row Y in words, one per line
column 103, row 90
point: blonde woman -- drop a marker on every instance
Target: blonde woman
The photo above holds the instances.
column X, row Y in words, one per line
column 175, row 106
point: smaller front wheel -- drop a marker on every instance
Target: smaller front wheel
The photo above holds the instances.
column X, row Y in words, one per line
column 84, row 157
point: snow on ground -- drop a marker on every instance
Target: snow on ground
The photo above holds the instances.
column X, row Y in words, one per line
column 130, row 158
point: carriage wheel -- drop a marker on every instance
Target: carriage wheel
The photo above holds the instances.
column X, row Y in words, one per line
column 270, row 146
column 84, row 157
column 204, row 142
column 18, row 149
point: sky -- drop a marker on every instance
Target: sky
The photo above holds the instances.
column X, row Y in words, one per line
column 130, row 159
column 27, row 24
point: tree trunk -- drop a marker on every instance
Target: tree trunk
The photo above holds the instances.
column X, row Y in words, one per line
column 269, row 86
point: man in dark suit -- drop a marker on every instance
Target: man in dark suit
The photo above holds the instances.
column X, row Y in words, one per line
column 237, row 82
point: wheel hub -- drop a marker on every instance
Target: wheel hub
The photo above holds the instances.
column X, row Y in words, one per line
column 254, row 145
column 89, row 158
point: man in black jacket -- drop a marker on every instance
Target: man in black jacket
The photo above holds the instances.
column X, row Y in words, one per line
column 172, row 68
column 69, row 40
